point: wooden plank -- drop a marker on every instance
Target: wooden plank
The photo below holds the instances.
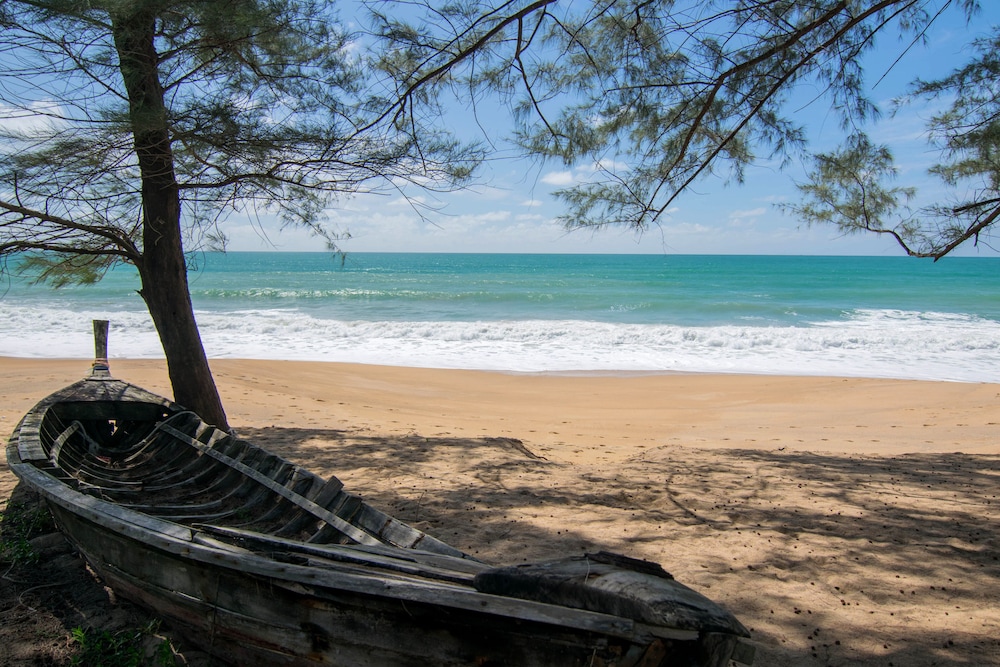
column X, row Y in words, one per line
column 105, row 514
column 612, row 584
column 399, row 534
column 57, row 445
column 29, row 444
column 178, row 539
column 351, row 531
column 243, row 626
column 456, row 570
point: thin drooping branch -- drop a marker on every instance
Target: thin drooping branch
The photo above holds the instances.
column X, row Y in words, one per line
column 119, row 244
column 971, row 232
column 779, row 85
column 464, row 52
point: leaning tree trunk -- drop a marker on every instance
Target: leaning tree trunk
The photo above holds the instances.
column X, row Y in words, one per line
column 162, row 269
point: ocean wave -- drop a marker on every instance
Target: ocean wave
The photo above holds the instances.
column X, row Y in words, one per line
column 866, row 343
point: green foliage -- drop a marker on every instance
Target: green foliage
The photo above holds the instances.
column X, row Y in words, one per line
column 62, row 270
column 849, row 188
column 19, row 523
column 104, row 648
column 654, row 95
column 123, row 648
column 279, row 107
column 267, row 107
column 969, row 130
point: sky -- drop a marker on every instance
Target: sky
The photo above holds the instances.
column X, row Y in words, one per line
column 513, row 210
column 510, row 208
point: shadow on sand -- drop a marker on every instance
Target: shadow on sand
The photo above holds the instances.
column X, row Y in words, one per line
column 833, row 559
column 829, row 559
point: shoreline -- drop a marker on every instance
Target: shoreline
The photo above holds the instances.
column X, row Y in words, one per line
column 704, row 410
column 84, row 362
column 844, row 521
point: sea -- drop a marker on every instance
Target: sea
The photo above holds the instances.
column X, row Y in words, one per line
column 881, row 317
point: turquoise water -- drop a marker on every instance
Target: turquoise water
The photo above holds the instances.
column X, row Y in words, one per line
column 875, row 316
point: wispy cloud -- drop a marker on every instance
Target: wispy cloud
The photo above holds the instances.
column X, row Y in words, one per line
column 746, row 216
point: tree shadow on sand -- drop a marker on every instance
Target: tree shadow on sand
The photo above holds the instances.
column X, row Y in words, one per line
column 830, row 558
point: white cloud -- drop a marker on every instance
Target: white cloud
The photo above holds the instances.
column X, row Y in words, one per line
column 490, row 216
column 35, row 120
column 609, row 165
column 558, row 178
column 687, row 229
column 532, row 203
column 746, row 216
column 408, row 202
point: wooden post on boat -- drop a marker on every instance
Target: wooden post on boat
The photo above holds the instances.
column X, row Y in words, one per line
column 101, row 366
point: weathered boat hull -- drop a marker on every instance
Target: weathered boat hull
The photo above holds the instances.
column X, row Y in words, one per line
column 261, row 620
column 265, row 563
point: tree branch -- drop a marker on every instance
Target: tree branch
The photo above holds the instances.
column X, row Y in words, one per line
column 126, row 248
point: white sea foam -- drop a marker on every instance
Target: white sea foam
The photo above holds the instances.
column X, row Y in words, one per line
column 868, row 343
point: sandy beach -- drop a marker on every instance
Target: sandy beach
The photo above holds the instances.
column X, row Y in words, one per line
column 844, row 521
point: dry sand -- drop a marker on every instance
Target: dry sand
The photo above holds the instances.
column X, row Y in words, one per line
column 845, row 521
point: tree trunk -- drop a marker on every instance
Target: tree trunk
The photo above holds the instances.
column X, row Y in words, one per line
column 162, row 269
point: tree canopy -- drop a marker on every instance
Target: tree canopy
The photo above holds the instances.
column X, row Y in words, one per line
column 660, row 94
column 267, row 108
column 851, row 186
column 132, row 127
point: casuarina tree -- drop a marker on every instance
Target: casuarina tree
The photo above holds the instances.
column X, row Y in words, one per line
column 131, row 128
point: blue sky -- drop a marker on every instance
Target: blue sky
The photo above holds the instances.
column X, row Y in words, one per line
column 512, row 210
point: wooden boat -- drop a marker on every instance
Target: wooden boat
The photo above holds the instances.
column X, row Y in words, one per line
column 265, row 563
